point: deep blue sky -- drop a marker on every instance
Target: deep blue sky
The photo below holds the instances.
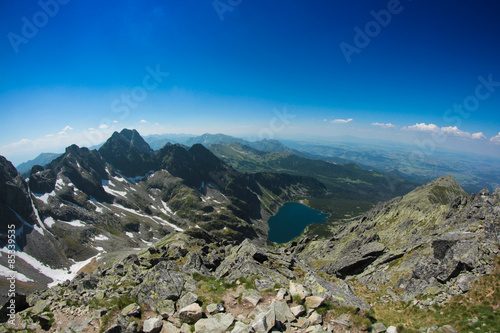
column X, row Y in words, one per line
column 232, row 75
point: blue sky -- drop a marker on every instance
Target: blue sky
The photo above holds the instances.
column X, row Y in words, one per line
column 419, row 72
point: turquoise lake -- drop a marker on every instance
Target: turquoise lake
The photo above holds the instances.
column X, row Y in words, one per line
column 291, row 220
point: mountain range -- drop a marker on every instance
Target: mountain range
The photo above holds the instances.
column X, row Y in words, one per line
column 177, row 238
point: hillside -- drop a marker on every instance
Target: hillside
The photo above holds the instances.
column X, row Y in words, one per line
column 426, row 261
column 351, row 190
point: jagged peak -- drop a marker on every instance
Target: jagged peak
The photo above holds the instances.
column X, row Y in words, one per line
column 130, row 138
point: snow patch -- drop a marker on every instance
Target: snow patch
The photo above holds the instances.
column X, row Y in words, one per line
column 7, row 273
column 100, row 238
column 49, row 222
column 131, row 235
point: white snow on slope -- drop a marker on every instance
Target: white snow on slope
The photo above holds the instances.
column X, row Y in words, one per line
column 101, row 238
column 57, row 275
column 7, row 273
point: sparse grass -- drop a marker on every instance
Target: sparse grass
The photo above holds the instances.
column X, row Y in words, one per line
column 210, row 286
column 324, row 308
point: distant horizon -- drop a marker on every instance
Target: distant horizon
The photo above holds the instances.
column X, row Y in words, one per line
column 342, row 139
column 411, row 72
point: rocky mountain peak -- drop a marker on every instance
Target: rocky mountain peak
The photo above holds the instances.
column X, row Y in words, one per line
column 442, row 191
column 129, row 153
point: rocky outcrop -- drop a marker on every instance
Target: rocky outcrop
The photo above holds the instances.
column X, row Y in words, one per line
column 429, row 241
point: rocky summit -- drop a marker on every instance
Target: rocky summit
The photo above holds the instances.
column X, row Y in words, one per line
column 174, row 240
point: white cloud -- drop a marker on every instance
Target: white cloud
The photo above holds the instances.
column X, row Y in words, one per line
column 115, row 121
column 143, row 121
column 388, row 125
column 422, row 127
column 65, row 130
column 478, row 136
column 103, row 126
column 496, row 139
column 453, row 130
column 341, row 121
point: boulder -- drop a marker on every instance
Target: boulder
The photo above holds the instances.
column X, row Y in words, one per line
column 132, row 310
column 161, row 283
column 264, row 322
column 392, row 329
column 355, row 261
column 298, row 310
column 186, row 300
column 240, row 327
column 190, row 314
column 448, row 329
column 299, row 290
column 379, row 328
column 251, row 296
column 314, row 302
column 152, row 325
column 216, row 324
column 339, row 292
column 282, row 312
column 262, row 285
column 215, row 308
column 315, row 318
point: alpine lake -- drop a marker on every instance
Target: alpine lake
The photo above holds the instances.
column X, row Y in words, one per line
column 291, row 220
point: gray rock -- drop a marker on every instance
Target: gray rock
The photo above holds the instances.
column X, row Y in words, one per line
column 339, row 292
column 190, row 314
column 132, row 310
column 251, row 296
column 161, row 283
column 379, row 328
column 165, row 308
column 298, row 310
column 185, row 328
column 152, row 325
column 282, row 312
column 448, row 329
column 169, row 328
column 264, row 322
column 40, row 307
column 264, row 284
column 186, row 300
column 314, row 302
column 316, row 319
column 297, row 289
column 281, row 294
column 354, row 261
column 314, row 329
column 240, row 327
column 215, row 308
column 216, row 324
column 392, row 329
column 133, row 327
